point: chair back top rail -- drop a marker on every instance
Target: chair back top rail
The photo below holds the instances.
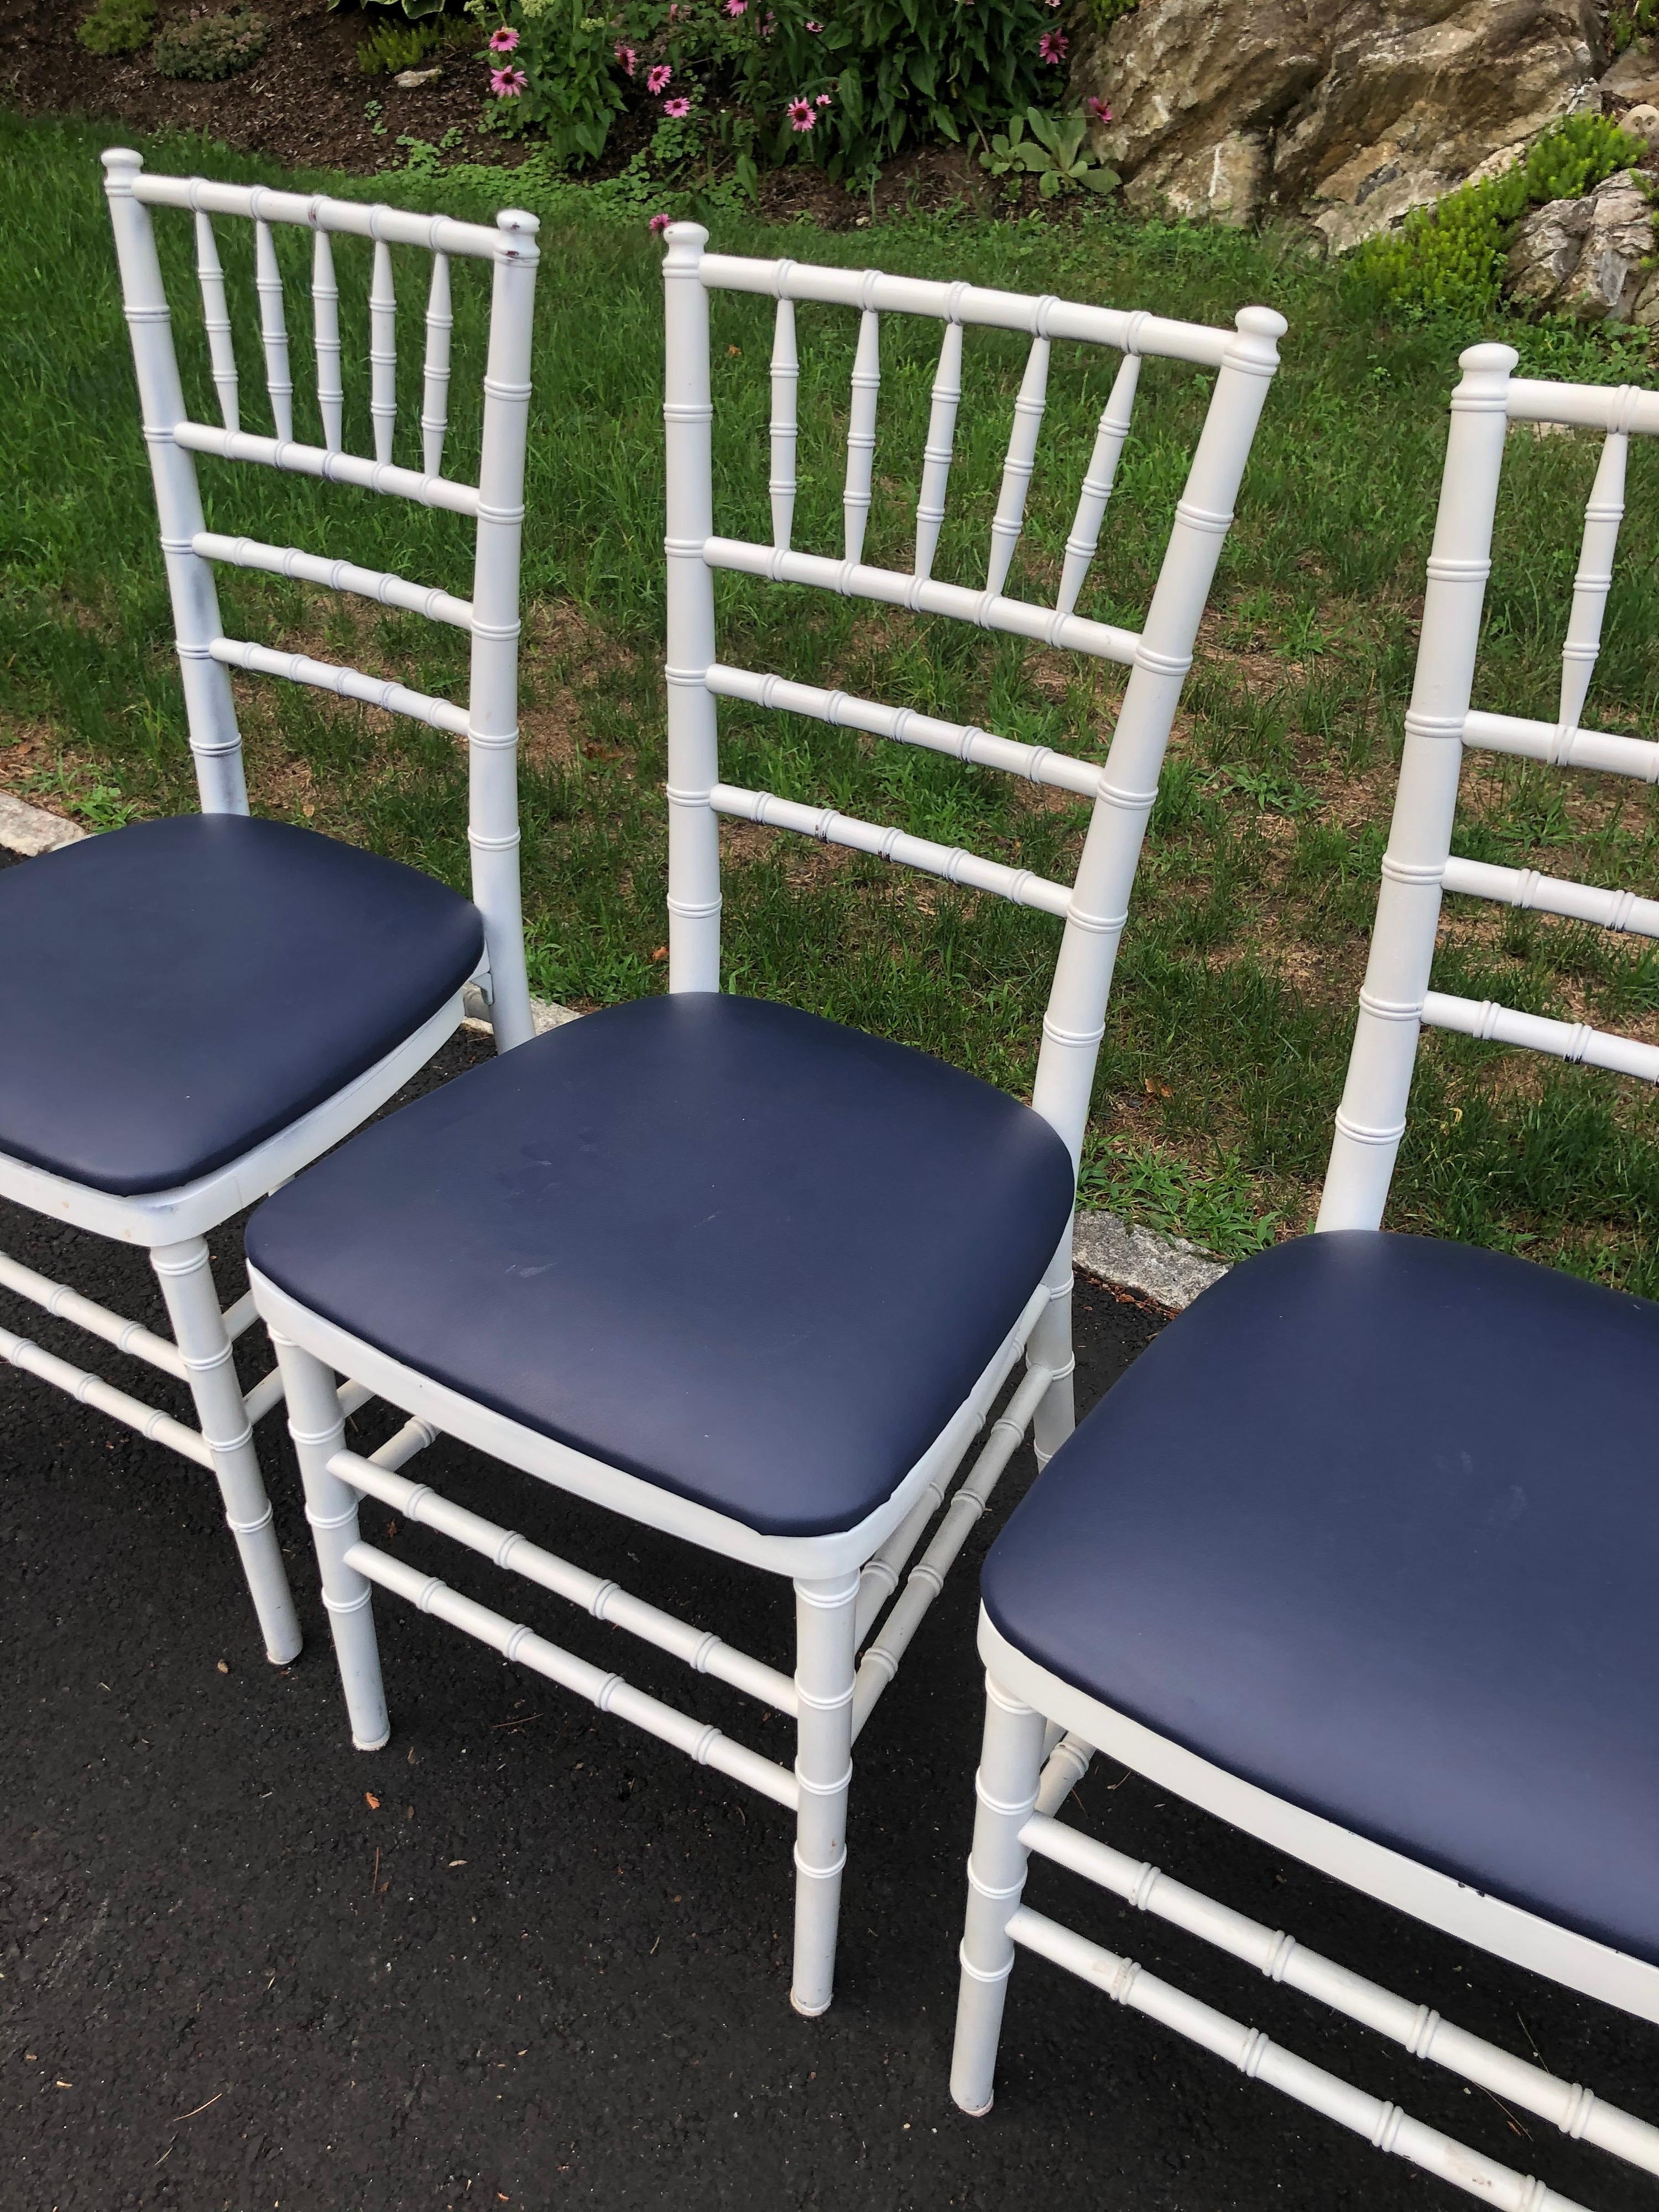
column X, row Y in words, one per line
column 1395, row 1001
column 371, row 218
column 1043, row 315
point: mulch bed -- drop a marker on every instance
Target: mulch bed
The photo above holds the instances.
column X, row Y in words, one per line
column 305, row 103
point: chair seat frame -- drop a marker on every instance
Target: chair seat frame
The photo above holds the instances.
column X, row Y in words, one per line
column 1041, row 1732
column 173, row 1225
column 860, row 1594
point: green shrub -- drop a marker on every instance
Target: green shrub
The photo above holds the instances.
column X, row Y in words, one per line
column 117, row 27
column 1104, row 13
column 395, row 46
column 1448, row 258
column 1629, row 20
column 841, row 83
column 205, row 48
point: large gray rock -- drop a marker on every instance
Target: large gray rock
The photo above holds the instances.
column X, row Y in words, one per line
column 1349, row 111
column 1585, row 257
column 1635, row 74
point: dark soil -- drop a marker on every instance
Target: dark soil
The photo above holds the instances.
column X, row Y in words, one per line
column 242, row 1967
column 307, row 103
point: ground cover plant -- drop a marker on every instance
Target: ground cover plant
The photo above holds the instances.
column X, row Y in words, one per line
column 1233, row 1004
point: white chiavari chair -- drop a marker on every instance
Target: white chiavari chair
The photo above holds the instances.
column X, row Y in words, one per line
column 736, row 1272
column 196, row 1007
column 1359, row 1555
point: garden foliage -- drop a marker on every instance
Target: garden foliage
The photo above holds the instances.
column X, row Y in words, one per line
column 117, row 27
column 1449, row 257
column 204, row 48
column 768, row 81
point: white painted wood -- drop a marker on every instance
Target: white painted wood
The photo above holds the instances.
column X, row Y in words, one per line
column 1115, row 420
column 1469, row 1914
column 273, row 331
column 1602, row 516
column 786, row 382
column 862, row 434
column 1126, row 331
column 215, row 320
column 704, row 1652
column 59, row 1299
column 1036, row 763
column 325, row 340
column 216, row 743
column 1571, row 1041
column 92, row 1390
column 1017, row 884
column 936, row 452
column 925, row 595
column 316, row 211
column 1259, row 2059
column 808, row 1558
column 339, row 575
column 523, row 1647
column 1547, row 741
column 1537, row 894
column 435, row 389
column 1065, row 1764
column 185, row 1275
column 1009, row 518
column 1422, row 2032
column 345, row 683
column 316, row 1423
column 382, row 353
column 300, row 460
column 1395, row 1001
column 824, row 1775
column 1004, row 1791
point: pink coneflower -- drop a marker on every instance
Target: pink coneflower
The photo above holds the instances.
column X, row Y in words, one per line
column 657, row 78
column 1052, row 47
column 677, row 109
column 502, row 40
column 627, row 60
column 823, row 99
column 768, row 25
column 802, row 116
column 1097, row 111
column 507, row 83
column 736, row 7
column 658, row 224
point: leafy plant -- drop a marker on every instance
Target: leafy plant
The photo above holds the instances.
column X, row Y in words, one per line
column 1628, row 22
column 117, row 27
column 1448, row 258
column 391, row 47
column 1104, row 13
column 753, row 80
column 414, row 10
column 205, row 48
column 1053, row 154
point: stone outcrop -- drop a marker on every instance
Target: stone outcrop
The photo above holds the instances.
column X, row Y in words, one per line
column 1349, row 113
column 1587, row 257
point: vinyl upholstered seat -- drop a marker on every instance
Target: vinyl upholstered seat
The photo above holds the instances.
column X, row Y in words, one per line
column 212, row 978
column 1374, row 1525
column 752, row 1256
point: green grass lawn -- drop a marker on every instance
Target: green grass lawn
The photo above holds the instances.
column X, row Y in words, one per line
column 1233, row 1006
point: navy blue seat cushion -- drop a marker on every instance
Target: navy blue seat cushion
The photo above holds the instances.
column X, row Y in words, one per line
column 1374, row 1524
column 173, row 992
column 752, row 1256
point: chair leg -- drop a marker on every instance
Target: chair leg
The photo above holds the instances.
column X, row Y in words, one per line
column 185, row 1275
column 826, row 1648
column 1050, row 1345
column 314, row 1424
column 1011, row 1762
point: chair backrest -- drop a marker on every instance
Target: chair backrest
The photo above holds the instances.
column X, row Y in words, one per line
column 1395, row 1001
column 1094, row 907
column 488, row 721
